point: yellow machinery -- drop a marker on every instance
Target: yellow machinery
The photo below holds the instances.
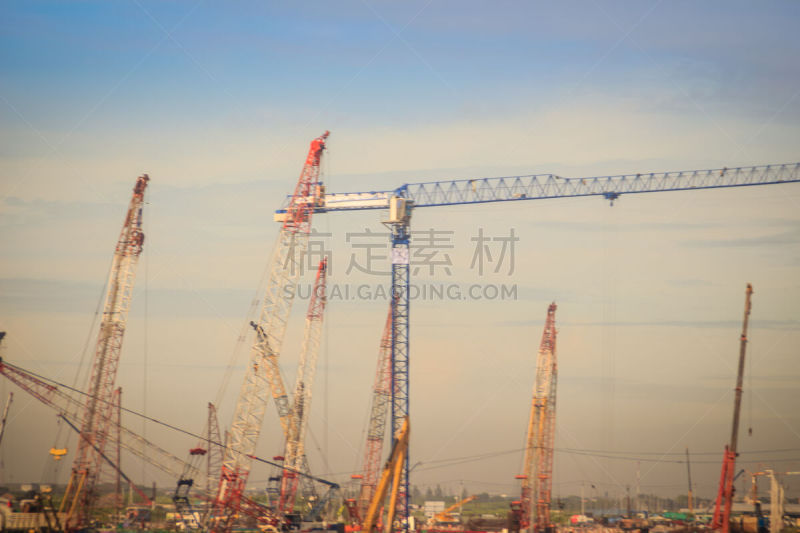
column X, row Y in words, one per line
column 445, row 515
column 392, row 473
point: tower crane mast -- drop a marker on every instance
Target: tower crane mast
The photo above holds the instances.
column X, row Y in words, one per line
column 537, row 477
column 81, row 490
column 306, row 370
column 262, row 373
column 401, row 201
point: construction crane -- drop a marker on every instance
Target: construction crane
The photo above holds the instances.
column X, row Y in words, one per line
column 209, row 451
column 392, row 474
column 81, row 492
column 401, row 201
column 533, row 509
column 445, row 516
column 722, row 507
column 295, row 457
column 5, row 412
column 381, row 396
column 262, row 375
column 66, row 406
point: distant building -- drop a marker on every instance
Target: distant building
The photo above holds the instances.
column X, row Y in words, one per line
column 433, row 508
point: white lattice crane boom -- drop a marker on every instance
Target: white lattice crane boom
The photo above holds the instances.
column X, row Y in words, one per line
column 67, row 406
column 81, row 491
column 295, row 458
column 262, row 375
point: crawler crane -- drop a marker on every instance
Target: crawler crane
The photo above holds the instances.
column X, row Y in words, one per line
column 295, row 458
column 262, row 375
column 81, row 491
column 722, row 507
column 67, row 406
column 401, row 201
column 379, row 411
column 533, row 509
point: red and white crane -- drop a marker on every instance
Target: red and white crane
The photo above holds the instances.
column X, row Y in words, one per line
column 263, row 375
column 295, row 457
column 379, row 412
column 67, row 406
column 533, row 509
column 97, row 413
column 724, row 503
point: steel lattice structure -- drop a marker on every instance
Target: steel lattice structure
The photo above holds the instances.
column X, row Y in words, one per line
column 98, row 410
column 724, row 502
column 402, row 200
column 537, row 477
column 66, row 406
column 295, row 458
column 379, row 409
column 263, row 373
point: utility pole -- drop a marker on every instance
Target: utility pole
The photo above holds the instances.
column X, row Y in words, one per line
column 583, row 510
column 628, row 499
column 689, row 472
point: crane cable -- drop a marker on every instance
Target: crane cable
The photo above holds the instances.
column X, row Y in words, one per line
column 62, row 438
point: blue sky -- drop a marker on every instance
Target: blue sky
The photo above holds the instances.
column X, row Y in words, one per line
column 218, row 103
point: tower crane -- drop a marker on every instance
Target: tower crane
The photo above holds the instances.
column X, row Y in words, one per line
column 306, row 370
column 381, row 396
column 533, row 509
column 81, row 490
column 262, row 373
column 722, row 507
column 401, row 201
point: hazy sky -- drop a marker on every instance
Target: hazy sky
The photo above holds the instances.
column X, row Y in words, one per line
column 217, row 102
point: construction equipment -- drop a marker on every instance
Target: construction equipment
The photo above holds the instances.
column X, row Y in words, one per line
column 446, row 516
column 537, row 476
column 263, row 372
column 777, row 499
column 207, row 451
column 111, row 463
column 5, row 412
column 722, row 507
column 381, row 396
column 81, row 489
column 392, row 473
column 67, row 406
column 295, row 457
column 402, row 200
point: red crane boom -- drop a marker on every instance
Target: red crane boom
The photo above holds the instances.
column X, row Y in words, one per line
column 263, row 373
column 537, row 478
column 97, row 415
column 722, row 507
column 381, row 396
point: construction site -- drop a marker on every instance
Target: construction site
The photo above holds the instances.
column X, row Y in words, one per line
column 211, row 480
column 399, row 267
